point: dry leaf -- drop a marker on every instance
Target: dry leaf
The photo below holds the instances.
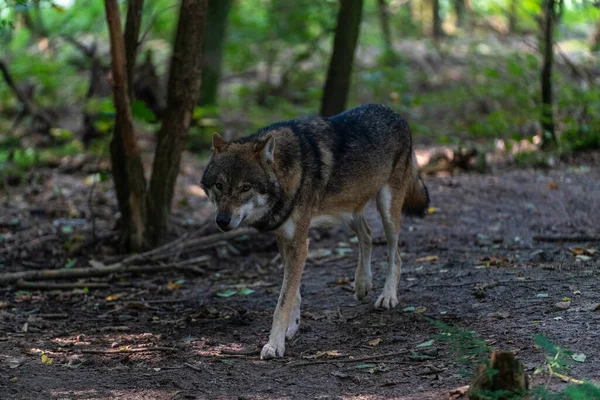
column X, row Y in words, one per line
column 113, row 297
column 581, row 251
column 552, row 185
column 325, row 354
column 175, row 285
column 432, row 210
column 459, row 392
column 494, row 261
column 562, row 305
column 342, row 281
column 427, row 259
column 319, row 253
column 577, row 251
column 96, row 264
column 375, row 342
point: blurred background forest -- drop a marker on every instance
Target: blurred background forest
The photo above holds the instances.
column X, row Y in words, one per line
column 459, row 71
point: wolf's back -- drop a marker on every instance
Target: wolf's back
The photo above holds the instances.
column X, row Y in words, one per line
column 377, row 130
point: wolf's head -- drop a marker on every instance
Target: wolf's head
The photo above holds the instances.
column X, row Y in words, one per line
column 239, row 180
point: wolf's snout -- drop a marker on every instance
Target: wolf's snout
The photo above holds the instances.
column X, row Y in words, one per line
column 223, row 222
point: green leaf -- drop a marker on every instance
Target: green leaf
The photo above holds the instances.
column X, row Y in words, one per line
column 66, row 229
column 227, row 293
column 364, row 366
column 579, row 357
column 427, row 343
column 541, row 295
column 246, row 291
column 408, row 309
column 71, row 263
column 141, row 112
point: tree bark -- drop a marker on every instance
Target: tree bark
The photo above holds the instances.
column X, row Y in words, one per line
column 335, row 93
column 212, row 50
column 384, row 20
column 595, row 42
column 184, row 86
column 546, row 45
column 459, row 9
column 127, row 167
column 512, row 17
column 437, row 20
column 132, row 33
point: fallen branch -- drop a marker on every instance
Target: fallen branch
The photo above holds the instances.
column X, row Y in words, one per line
column 567, row 238
column 125, row 351
column 22, row 284
column 240, row 353
column 186, row 243
column 350, row 360
column 28, row 105
column 88, row 272
column 51, row 316
column 179, row 246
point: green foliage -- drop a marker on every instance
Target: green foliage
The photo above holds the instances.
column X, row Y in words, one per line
column 471, row 350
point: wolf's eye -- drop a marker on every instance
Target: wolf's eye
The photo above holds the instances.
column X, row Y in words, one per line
column 219, row 186
column 245, row 188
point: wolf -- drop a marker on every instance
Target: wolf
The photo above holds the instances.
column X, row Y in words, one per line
column 290, row 173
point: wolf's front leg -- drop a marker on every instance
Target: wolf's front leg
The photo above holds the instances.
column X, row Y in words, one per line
column 293, row 251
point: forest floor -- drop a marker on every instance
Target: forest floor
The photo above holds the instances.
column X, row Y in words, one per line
column 181, row 335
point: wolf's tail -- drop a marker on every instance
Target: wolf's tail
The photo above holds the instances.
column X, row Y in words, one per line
column 416, row 201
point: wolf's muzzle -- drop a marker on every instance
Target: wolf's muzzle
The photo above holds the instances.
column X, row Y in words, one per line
column 223, row 222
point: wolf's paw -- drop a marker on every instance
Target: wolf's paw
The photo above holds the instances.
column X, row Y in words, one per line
column 272, row 350
column 386, row 301
column 362, row 287
column 292, row 327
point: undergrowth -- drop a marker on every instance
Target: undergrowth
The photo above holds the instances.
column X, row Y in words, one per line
column 472, row 351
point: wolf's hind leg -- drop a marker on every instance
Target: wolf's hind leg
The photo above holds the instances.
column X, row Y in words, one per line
column 389, row 204
column 363, row 278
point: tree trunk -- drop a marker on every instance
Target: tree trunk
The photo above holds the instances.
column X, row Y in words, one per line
column 212, row 50
column 459, row 9
column 595, row 43
column 184, row 86
column 132, row 32
column 512, row 17
column 127, row 167
column 335, row 93
column 384, row 20
column 546, row 45
column 437, row 20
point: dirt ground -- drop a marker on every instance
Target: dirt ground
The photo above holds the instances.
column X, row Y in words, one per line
column 170, row 335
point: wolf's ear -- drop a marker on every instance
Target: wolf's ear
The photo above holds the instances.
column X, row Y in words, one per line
column 218, row 143
column 266, row 148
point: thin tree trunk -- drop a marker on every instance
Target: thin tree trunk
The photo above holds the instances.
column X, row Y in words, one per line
column 132, row 33
column 127, row 167
column 384, row 20
column 547, row 42
column 335, row 93
column 512, row 17
column 437, row 20
column 459, row 9
column 212, row 50
column 184, row 86
column 595, row 43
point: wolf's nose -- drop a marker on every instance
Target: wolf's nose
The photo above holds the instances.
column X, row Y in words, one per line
column 223, row 221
